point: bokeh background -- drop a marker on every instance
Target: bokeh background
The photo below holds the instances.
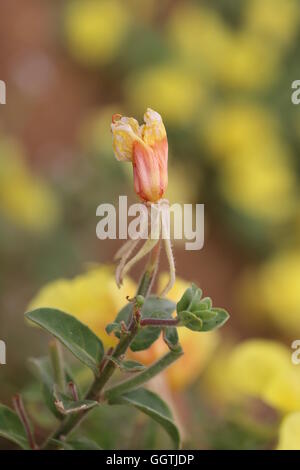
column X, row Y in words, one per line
column 219, row 72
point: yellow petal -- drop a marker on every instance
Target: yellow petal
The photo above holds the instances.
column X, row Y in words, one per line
column 289, row 433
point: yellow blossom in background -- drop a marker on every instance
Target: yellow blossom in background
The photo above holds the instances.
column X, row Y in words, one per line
column 169, row 88
column 95, row 29
column 289, row 432
column 263, row 369
column 198, row 349
column 201, row 38
column 214, row 381
column 92, row 297
column 236, row 126
column 254, row 165
column 277, row 294
column 25, row 199
column 277, row 21
column 211, row 48
column 261, row 187
column 251, row 63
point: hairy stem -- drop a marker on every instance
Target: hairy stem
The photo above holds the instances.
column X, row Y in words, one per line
column 144, row 376
column 148, row 277
column 159, row 322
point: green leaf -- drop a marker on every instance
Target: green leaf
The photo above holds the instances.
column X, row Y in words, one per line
column 148, row 334
column 67, row 405
column 127, row 366
column 78, row 338
column 132, row 366
column 190, row 321
column 151, row 304
column 212, row 319
column 197, row 314
column 154, row 307
column 42, row 370
column 81, row 443
column 171, row 337
column 11, row 427
column 190, row 299
column 113, row 328
column 205, row 304
column 152, row 405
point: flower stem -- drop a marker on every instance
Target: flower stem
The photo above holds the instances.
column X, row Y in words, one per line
column 144, row 376
column 148, row 277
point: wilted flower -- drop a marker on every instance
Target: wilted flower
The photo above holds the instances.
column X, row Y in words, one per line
column 146, row 146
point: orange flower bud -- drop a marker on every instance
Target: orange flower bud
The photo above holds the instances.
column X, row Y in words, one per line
column 146, row 146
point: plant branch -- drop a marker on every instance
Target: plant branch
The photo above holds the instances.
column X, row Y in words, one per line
column 148, row 277
column 159, row 322
column 144, row 376
column 70, row 422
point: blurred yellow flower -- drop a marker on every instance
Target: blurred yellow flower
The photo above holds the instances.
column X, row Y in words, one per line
column 175, row 92
column 207, row 46
column 253, row 163
column 263, row 369
column 236, row 126
column 25, row 199
column 289, row 432
column 92, row 297
column 95, row 29
column 198, row 349
column 201, row 38
column 263, row 188
column 277, row 21
column 251, row 63
column 276, row 287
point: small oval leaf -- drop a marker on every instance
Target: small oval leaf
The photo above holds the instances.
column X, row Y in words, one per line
column 78, row 338
column 153, row 406
column 190, row 321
